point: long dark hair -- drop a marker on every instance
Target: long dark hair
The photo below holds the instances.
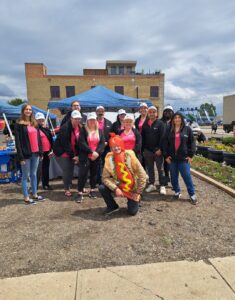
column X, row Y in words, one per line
column 182, row 125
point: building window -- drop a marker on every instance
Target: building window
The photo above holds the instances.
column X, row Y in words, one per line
column 119, row 89
column 113, row 70
column 70, row 91
column 121, row 70
column 129, row 70
column 55, row 91
column 153, row 91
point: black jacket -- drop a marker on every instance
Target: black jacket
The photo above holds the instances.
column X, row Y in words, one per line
column 84, row 148
column 138, row 141
column 68, row 116
column 107, row 129
column 152, row 137
column 22, row 142
column 187, row 144
column 137, row 122
column 63, row 140
column 48, row 134
column 116, row 127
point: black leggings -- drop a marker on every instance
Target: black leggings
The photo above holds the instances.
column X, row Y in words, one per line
column 84, row 168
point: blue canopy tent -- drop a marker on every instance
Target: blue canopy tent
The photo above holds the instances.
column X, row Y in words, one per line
column 13, row 112
column 99, row 95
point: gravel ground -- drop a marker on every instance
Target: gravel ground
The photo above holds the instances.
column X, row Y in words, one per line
column 60, row 235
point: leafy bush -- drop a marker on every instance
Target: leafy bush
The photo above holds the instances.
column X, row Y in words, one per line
column 229, row 140
column 224, row 174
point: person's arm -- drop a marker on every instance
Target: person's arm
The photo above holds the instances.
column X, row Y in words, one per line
column 108, row 180
column 191, row 143
column 82, row 142
column 138, row 141
column 101, row 145
column 141, row 176
column 18, row 142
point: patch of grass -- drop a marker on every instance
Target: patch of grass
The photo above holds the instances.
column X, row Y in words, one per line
column 215, row 170
column 167, row 242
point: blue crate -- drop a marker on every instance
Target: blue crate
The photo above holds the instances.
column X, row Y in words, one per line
column 9, row 171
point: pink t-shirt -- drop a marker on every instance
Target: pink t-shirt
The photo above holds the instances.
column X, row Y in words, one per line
column 141, row 123
column 177, row 141
column 129, row 140
column 33, row 138
column 46, row 146
column 93, row 141
column 74, row 138
column 101, row 125
column 150, row 123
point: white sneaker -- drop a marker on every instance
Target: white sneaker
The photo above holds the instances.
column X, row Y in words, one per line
column 193, row 199
column 150, row 188
column 162, row 190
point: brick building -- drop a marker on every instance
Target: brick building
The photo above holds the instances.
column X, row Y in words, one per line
column 119, row 76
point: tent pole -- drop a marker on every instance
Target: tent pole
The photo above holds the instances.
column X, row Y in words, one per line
column 8, row 127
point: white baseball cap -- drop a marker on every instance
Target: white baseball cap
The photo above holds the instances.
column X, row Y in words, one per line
column 91, row 116
column 143, row 104
column 121, row 112
column 100, row 107
column 39, row 116
column 129, row 117
column 76, row 114
column 152, row 107
column 168, row 107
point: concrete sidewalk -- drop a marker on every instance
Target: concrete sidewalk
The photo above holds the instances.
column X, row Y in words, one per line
column 214, row 279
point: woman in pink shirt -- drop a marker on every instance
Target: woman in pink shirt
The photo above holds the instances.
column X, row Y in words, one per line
column 66, row 149
column 29, row 151
column 46, row 138
column 131, row 136
column 91, row 145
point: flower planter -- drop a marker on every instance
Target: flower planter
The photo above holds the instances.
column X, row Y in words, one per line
column 216, row 155
column 229, row 158
column 203, row 150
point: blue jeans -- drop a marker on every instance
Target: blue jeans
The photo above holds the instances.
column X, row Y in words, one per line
column 107, row 194
column 182, row 167
column 30, row 170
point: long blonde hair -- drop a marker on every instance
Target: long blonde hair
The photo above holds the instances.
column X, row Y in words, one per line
column 22, row 118
column 89, row 131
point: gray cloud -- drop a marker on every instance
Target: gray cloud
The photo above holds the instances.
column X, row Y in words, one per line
column 192, row 42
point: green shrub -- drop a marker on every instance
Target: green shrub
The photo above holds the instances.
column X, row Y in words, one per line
column 229, row 140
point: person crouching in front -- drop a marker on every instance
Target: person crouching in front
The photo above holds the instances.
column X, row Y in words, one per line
column 123, row 176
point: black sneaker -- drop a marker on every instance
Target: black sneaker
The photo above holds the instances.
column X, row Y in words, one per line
column 29, row 202
column 193, row 199
column 79, row 198
column 110, row 211
column 47, row 187
column 177, row 195
column 92, row 195
column 38, row 198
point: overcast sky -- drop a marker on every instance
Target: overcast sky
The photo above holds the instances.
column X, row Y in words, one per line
column 192, row 42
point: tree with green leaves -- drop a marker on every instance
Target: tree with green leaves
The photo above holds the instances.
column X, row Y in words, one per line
column 209, row 107
column 16, row 101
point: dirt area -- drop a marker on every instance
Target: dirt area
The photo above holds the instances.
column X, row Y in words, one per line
column 60, row 235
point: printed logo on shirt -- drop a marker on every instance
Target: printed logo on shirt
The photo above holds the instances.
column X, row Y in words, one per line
column 185, row 135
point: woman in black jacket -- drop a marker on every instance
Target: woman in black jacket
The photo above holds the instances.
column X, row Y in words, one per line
column 118, row 125
column 29, row 151
column 46, row 138
column 178, row 150
column 66, row 150
column 91, row 145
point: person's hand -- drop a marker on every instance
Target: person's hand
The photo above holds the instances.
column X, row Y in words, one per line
column 51, row 154
column 119, row 193
column 94, row 155
column 23, row 162
column 189, row 159
column 40, row 158
column 168, row 159
column 136, row 197
column 158, row 152
column 76, row 160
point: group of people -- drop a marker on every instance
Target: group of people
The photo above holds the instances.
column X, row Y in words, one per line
column 119, row 157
